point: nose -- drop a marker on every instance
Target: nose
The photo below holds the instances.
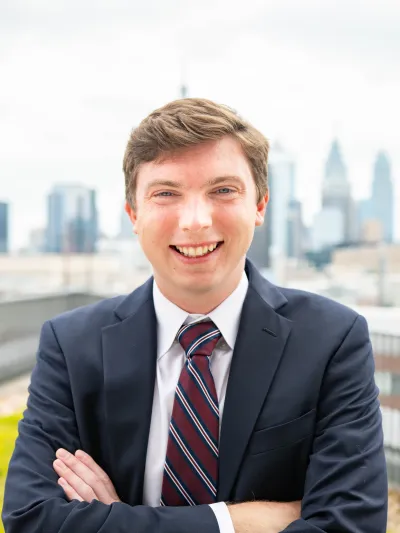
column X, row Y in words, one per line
column 195, row 215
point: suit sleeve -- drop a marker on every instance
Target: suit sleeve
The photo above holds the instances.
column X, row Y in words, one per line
column 346, row 483
column 33, row 501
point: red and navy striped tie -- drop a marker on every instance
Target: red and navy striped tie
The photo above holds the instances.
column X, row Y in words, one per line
column 191, row 464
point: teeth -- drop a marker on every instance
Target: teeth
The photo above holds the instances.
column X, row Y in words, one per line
column 198, row 251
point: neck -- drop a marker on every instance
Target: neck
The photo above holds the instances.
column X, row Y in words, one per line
column 198, row 302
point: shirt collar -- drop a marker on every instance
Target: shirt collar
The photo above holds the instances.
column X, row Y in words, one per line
column 170, row 317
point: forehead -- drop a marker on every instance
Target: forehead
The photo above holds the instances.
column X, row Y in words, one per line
column 200, row 162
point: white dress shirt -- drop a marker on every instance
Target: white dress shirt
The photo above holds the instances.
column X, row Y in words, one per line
column 170, row 361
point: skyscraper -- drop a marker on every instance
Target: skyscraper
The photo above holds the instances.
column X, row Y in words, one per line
column 72, row 224
column 295, row 229
column 274, row 238
column 282, row 185
column 126, row 227
column 4, row 229
column 336, row 192
column 365, row 213
column 328, row 228
column 382, row 195
column 259, row 251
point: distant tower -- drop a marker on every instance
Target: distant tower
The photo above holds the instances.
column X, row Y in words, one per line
column 183, row 91
column 382, row 195
column 4, row 229
column 259, row 251
column 275, row 238
column 281, row 169
column 183, row 88
column 126, row 227
column 336, row 192
column 72, row 224
column 295, row 230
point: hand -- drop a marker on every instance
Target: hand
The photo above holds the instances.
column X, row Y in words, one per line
column 263, row 517
column 82, row 479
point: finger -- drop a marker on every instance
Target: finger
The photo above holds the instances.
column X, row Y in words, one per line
column 70, row 493
column 97, row 470
column 100, row 490
column 90, row 463
column 84, row 490
column 80, row 469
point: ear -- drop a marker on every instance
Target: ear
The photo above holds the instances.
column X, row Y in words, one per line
column 132, row 215
column 261, row 207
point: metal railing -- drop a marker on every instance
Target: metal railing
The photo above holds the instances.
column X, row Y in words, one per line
column 386, row 349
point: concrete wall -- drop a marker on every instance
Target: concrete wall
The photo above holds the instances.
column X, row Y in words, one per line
column 20, row 318
column 24, row 276
column 20, row 324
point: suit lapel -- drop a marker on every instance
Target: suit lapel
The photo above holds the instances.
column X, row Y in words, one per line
column 259, row 346
column 129, row 359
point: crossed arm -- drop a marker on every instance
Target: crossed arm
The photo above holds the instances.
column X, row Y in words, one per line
column 35, row 499
column 83, row 480
column 345, row 489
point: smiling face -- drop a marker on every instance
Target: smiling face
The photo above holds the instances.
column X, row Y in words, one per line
column 195, row 214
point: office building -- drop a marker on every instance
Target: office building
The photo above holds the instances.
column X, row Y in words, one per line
column 72, row 222
column 336, row 193
column 382, row 199
column 295, row 230
column 4, row 228
column 328, row 228
column 282, row 194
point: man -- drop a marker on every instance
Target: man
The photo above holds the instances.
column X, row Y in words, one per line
column 208, row 399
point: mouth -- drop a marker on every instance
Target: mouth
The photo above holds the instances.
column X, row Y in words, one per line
column 196, row 251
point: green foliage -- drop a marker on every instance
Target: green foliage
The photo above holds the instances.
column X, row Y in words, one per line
column 8, row 434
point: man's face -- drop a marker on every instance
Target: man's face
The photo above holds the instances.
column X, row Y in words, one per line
column 195, row 215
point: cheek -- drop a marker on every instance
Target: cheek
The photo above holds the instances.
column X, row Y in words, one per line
column 238, row 219
column 240, row 226
column 155, row 224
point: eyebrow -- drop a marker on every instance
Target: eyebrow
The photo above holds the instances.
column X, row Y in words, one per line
column 222, row 179
column 177, row 185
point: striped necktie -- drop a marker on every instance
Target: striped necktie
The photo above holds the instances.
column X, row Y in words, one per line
column 191, row 464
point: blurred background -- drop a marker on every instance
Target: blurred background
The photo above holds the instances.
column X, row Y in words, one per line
column 320, row 79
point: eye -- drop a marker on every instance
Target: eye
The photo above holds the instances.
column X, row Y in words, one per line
column 225, row 190
column 164, row 193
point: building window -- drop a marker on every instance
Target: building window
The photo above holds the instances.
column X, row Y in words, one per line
column 384, row 383
column 391, row 427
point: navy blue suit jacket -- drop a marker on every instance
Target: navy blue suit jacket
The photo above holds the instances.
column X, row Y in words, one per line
column 301, row 417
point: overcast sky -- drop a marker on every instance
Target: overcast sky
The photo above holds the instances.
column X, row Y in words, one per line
column 75, row 77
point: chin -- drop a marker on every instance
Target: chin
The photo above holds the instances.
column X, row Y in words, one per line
column 197, row 280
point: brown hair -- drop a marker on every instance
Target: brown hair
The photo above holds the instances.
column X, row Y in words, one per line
column 187, row 122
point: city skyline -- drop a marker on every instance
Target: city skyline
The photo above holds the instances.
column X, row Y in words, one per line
column 334, row 166
column 72, row 220
column 72, row 88
column 72, row 223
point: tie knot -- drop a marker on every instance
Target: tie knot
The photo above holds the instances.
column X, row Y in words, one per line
column 199, row 338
